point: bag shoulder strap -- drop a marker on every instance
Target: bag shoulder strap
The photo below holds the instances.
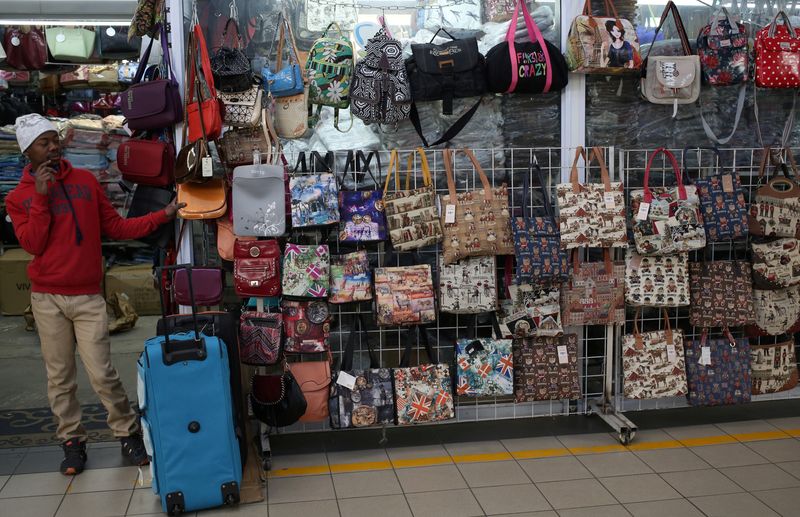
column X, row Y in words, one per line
column 422, row 335
column 739, row 108
column 535, row 35
column 450, row 132
column 347, row 359
column 687, row 49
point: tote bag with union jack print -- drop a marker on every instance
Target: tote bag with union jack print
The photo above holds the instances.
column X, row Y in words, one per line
column 422, row 393
column 306, row 271
column 484, row 367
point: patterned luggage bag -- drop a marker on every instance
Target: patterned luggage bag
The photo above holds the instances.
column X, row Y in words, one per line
column 776, row 264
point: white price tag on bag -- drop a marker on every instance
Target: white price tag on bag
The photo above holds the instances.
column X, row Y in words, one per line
column 705, row 356
column 208, row 167
column 671, row 354
column 346, row 380
column 563, row 357
column 449, row 214
column 608, row 199
column 644, row 209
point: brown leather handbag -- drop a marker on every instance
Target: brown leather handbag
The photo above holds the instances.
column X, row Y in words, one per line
column 256, row 268
column 314, row 378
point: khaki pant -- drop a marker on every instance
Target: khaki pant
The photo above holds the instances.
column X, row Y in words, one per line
column 62, row 321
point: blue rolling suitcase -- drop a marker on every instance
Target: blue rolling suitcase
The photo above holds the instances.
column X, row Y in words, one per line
column 188, row 421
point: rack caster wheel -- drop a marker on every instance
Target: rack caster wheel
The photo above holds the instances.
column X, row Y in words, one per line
column 626, row 436
column 266, row 464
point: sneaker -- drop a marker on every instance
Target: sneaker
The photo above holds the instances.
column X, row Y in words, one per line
column 133, row 449
column 74, row 457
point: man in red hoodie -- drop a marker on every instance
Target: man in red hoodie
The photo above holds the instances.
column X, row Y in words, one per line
column 59, row 215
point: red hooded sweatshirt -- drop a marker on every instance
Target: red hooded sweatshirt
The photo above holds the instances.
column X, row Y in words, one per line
column 46, row 228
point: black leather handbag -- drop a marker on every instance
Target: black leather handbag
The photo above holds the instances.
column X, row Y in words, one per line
column 445, row 72
column 229, row 64
column 277, row 400
column 114, row 43
column 148, row 199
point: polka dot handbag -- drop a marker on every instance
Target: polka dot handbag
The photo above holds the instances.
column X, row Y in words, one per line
column 777, row 55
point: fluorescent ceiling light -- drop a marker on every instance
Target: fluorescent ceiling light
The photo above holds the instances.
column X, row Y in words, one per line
column 62, row 23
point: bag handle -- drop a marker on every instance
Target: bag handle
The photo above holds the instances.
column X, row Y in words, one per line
column 394, row 167
column 535, row 35
column 363, row 162
column 237, row 43
column 442, row 29
column 733, row 26
column 205, row 63
column 165, row 53
column 648, row 195
column 773, row 27
column 284, row 33
column 687, row 49
column 448, row 155
column 576, row 262
column 347, row 359
column 638, row 336
column 336, row 26
column 527, row 209
column 451, row 131
column 422, row 335
column 605, row 177
column 739, row 109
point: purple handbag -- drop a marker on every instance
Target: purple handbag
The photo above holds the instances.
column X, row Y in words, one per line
column 207, row 282
column 154, row 104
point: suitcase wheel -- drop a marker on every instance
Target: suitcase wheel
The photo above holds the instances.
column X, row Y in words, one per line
column 175, row 503
column 230, row 493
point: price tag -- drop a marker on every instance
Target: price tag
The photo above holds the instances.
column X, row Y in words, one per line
column 727, row 183
column 671, row 354
column 346, row 380
column 208, row 167
column 61, row 38
column 513, row 290
column 635, row 261
column 725, row 43
column 449, row 214
column 111, row 32
column 660, row 227
column 608, row 198
column 705, row 355
column 256, row 157
column 563, row 358
column 15, row 41
column 644, row 209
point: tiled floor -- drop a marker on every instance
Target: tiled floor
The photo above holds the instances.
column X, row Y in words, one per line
column 747, row 469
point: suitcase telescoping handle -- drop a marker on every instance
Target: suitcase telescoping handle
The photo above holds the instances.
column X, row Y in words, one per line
column 183, row 350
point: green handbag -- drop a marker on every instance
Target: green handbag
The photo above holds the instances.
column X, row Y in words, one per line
column 330, row 63
column 70, row 43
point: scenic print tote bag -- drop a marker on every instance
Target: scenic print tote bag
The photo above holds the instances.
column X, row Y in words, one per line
column 351, row 278
column 653, row 362
column 468, row 286
column 404, row 295
column 595, row 293
column 774, row 368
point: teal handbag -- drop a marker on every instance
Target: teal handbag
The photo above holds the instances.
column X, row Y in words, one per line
column 330, row 66
column 70, row 43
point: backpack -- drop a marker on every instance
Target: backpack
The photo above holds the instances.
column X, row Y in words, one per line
column 330, row 65
column 380, row 91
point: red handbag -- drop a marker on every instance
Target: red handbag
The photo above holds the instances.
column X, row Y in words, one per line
column 256, row 268
column 25, row 50
column 147, row 162
column 211, row 109
column 777, row 53
column 207, row 286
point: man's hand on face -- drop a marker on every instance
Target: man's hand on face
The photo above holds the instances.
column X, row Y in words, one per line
column 172, row 209
column 45, row 175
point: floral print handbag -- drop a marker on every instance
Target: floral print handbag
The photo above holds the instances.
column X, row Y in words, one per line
column 537, row 240
column 722, row 47
column 361, row 212
column 422, row 393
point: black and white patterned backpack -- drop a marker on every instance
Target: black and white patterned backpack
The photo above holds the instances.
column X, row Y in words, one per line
column 380, row 91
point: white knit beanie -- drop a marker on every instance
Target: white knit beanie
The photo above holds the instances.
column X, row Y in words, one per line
column 30, row 127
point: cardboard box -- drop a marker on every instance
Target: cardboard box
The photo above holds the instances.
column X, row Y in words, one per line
column 15, row 287
column 137, row 283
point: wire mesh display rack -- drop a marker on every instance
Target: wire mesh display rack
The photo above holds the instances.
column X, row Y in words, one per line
column 501, row 166
column 746, row 162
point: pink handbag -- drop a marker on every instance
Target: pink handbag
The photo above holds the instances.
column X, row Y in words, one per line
column 207, row 286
